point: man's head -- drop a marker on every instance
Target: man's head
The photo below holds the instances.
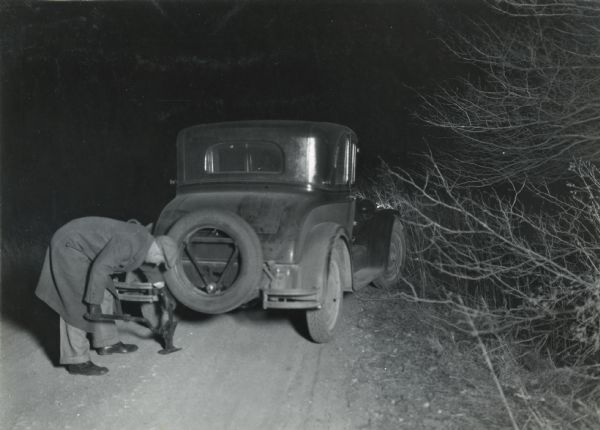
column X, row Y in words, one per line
column 163, row 250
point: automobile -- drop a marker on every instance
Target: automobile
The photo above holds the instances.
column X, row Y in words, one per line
column 266, row 211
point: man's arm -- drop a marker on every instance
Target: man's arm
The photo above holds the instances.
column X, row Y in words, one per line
column 107, row 262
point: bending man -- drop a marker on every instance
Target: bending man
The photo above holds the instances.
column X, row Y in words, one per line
column 76, row 278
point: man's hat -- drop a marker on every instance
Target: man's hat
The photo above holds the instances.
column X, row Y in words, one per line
column 170, row 250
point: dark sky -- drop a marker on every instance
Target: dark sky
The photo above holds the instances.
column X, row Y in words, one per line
column 93, row 93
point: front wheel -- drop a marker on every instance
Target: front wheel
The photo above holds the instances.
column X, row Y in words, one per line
column 392, row 272
column 322, row 322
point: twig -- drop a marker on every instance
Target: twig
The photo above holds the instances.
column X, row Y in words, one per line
column 491, row 368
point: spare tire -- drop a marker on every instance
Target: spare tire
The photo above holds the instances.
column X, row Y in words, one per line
column 220, row 261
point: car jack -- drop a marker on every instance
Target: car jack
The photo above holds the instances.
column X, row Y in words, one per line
column 144, row 292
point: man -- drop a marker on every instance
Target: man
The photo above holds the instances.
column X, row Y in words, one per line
column 76, row 278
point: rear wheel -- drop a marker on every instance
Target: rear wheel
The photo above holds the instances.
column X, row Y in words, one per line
column 392, row 273
column 322, row 322
column 220, row 261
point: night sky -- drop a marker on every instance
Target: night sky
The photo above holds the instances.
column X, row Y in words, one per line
column 93, row 94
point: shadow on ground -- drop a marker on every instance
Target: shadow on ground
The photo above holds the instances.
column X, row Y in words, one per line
column 24, row 310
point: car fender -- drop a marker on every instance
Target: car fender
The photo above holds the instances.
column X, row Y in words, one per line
column 316, row 254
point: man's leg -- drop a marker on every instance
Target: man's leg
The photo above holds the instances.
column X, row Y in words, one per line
column 74, row 345
column 105, row 333
column 75, row 351
column 105, row 337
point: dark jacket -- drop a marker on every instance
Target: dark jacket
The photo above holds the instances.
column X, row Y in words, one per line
column 81, row 257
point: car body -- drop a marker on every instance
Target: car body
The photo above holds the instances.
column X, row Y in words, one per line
column 266, row 209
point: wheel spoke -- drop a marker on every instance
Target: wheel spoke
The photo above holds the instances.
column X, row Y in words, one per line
column 228, row 266
column 193, row 261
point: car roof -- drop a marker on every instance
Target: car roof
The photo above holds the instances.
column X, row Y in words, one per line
column 329, row 132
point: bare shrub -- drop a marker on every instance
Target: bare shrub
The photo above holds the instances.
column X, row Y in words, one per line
column 526, row 251
column 504, row 224
column 525, row 261
column 531, row 101
column 519, row 266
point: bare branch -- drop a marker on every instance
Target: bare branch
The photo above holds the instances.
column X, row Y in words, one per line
column 533, row 104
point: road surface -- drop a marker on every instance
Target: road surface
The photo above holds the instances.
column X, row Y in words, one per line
column 249, row 369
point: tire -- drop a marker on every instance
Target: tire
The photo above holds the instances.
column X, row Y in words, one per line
column 392, row 272
column 220, row 261
column 322, row 322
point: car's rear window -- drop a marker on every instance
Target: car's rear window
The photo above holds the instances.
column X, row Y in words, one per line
column 243, row 157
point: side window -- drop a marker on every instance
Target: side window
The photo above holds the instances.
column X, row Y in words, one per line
column 344, row 162
column 353, row 153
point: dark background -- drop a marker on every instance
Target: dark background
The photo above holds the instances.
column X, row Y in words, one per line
column 94, row 93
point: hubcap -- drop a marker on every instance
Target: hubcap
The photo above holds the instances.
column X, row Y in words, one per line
column 331, row 303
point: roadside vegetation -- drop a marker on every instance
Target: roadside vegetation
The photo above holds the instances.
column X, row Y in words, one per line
column 503, row 218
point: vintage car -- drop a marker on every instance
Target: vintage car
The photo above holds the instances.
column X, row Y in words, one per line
column 266, row 210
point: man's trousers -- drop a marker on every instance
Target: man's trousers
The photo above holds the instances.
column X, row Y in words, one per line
column 74, row 344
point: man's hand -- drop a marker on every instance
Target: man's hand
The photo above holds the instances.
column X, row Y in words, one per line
column 94, row 309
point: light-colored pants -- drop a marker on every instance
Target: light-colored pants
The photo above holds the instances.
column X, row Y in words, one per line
column 74, row 344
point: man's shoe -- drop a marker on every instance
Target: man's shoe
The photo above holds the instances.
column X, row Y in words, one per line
column 117, row 348
column 88, row 368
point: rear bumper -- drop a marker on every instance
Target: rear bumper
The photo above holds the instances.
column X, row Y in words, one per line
column 293, row 299
column 284, row 289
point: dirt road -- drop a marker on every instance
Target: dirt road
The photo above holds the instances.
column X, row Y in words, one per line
column 247, row 370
